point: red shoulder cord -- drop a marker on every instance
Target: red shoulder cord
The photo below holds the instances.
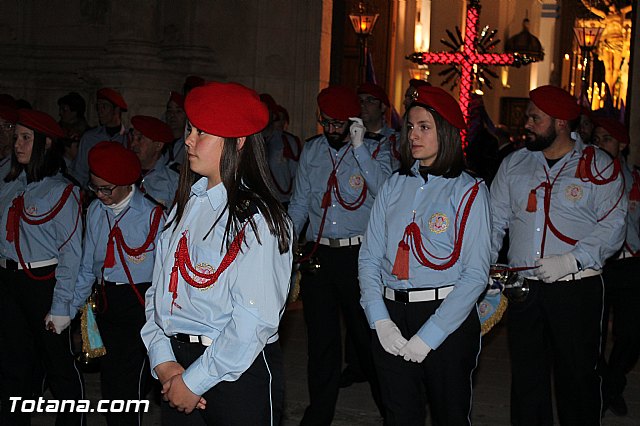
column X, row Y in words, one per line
column 17, row 213
column 584, row 173
column 287, row 152
column 183, row 264
column 392, row 144
column 333, row 187
column 412, row 238
column 116, row 237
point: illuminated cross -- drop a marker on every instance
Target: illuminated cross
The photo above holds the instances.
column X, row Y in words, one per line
column 467, row 57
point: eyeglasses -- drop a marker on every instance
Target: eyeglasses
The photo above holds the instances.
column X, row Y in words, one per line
column 7, row 126
column 369, row 100
column 337, row 124
column 103, row 189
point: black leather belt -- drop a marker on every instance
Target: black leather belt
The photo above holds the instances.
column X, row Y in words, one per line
column 188, row 338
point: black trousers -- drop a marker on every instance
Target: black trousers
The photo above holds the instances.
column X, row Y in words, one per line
column 443, row 379
column 622, row 298
column 124, row 370
column 256, row 398
column 557, row 327
column 23, row 306
column 331, row 291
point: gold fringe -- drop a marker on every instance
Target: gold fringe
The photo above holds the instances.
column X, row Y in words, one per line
column 86, row 347
column 497, row 315
column 294, row 292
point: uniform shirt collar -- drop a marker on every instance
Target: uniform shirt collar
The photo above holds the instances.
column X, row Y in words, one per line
column 217, row 195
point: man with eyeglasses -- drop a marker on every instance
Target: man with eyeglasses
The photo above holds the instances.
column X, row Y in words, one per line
column 374, row 103
column 283, row 151
column 122, row 228
column 337, row 180
column 110, row 105
column 149, row 137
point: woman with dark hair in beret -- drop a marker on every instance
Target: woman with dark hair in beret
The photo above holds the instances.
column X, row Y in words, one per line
column 40, row 250
column 423, row 264
column 222, row 271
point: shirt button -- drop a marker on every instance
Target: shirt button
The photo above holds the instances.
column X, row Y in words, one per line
column 538, row 229
column 251, row 302
column 333, row 223
column 538, row 253
column 333, row 205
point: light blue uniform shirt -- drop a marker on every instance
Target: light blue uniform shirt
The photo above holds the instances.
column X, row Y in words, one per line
column 90, row 138
column 42, row 242
column 577, row 210
column 135, row 223
column 357, row 167
column 283, row 169
column 161, row 183
column 434, row 204
column 393, row 139
column 632, row 234
column 240, row 312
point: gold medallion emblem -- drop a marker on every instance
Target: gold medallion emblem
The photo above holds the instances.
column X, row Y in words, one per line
column 356, row 182
column 573, row 192
column 438, row 223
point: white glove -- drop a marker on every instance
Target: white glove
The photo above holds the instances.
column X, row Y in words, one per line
column 390, row 336
column 551, row 269
column 356, row 131
column 59, row 322
column 415, row 350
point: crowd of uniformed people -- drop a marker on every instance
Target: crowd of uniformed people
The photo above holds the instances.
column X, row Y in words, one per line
column 176, row 236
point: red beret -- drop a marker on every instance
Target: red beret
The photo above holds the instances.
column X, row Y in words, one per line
column 443, row 103
column 268, row 100
column 375, row 91
column 114, row 163
column 152, row 128
column 8, row 101
column 616, row 129
column 112, row 96
column 556, row 102
column 177, row 98
column 339, row 102
column 41, row 122
column 228, row 110
column 8, row 114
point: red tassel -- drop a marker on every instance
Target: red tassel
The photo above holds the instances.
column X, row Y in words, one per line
column 581, row 171
column 10, row 225
column 401, row 263
column 173, row 282
column 532, row 204
column 634, row 195
column 110, row 258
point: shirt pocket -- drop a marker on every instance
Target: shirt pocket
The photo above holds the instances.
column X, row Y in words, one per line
column 438, row 228
column 571, row 193
column 205, row 258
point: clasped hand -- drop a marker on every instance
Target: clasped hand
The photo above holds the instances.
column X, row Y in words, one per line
column 175, row 391
column 393, row 342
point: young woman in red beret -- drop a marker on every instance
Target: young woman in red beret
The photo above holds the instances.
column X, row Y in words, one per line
column 222, row 271
column 423, row 264
column 40, row 248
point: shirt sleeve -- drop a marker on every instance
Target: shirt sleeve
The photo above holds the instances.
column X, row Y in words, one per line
column 299, row 204
column 500, row 209
column 157, row 343
column 374, row 170
column 86, row 276
column 372, row 253
column 474, row 275
column 68, row 231
column 259, row 283
column 608, row 233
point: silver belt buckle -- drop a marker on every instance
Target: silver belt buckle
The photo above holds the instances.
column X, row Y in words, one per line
column 334, row 242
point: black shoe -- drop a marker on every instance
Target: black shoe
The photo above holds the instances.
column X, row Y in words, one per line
column 618, row 406
column 349, row 377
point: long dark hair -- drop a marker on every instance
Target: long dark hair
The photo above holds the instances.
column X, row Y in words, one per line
column 44, row 161
column 449, row 161
column 245, row 176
